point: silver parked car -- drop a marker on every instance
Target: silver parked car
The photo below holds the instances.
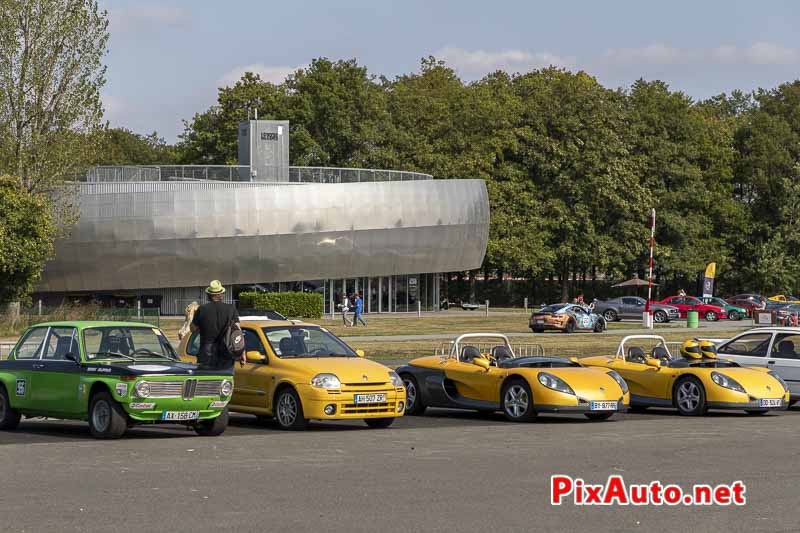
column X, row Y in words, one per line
column 633, row 307
column 775, row 348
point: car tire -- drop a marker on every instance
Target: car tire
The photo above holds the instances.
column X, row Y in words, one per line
column 516, row 401
column 107, row 420
column 379, row 423
column 537, row 330
column 600, row 325
column 598, row 416
column 734, row 315
column 690, row 397
column 213, row 427
column 660, row 317
column 289, row 410
column 570, row 327
column 610, row 315
column 756, row 412
column 414, row 405
column 711, row 316
column 9, row 417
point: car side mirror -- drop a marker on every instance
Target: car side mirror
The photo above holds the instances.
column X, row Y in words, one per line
column 255, row 357
column 72, row 357
column 361, row 353
column 481, row 362
column 655, row 363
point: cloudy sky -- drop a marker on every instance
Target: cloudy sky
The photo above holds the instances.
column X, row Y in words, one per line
column 168, row 57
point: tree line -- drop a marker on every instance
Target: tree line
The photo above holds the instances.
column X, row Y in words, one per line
column 572, row 167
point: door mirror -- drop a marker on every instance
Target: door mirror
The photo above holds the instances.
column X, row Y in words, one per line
column 255, row 357
column 655, row 363
column 361, row 353
column 481, row 362
column 72, row 357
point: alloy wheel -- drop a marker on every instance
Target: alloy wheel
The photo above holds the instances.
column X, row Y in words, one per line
column 411, row 394
column 516, row 401
column 287, row 410
column 101, row 416
column 688, row 396
column 659, row 317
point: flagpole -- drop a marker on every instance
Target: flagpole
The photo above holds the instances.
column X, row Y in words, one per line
column 652, row 244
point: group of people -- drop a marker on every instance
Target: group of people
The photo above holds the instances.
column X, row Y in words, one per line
column 354, row 303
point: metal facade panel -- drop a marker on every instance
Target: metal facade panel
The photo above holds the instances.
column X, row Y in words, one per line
column 182, row 234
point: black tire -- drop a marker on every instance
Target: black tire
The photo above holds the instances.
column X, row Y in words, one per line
column 610, row 315
column 660, row 317
column 637, row 408
column 9, row 417
column 537, row 330
column 517, row 412
column 734, row 315
column 711, row 316
column 689, row 396
column 414, row 406
column 107, row 420
column 379, row 423
column 289, row 410
column 600, row 325
column 214, row 427
column 756, row 412
column 598, row 416
column 570, row 327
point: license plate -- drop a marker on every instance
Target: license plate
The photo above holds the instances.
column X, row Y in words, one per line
column 603, row 406
column 180, row 415
column 369, row 398
column 770, row 402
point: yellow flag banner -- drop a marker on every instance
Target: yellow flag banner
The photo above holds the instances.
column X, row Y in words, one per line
column 708, row 280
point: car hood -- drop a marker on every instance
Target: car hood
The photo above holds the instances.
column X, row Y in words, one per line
column 664, row 307
column 347, row 369
column 144, row 368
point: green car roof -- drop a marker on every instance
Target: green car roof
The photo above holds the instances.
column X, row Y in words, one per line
column 81, row 324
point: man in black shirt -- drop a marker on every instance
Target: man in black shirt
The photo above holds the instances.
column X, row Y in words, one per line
column 210, row 320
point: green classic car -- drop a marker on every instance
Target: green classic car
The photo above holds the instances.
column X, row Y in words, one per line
column 113, row 374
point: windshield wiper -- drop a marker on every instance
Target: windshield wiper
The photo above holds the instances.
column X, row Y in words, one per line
column 117, row 354
column 146, row 351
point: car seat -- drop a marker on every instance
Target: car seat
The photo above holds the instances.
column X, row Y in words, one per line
column 786, row 349
column 661, row 353
column 62, row 348
column 636, row 355
column 501, row 353
column 468, row 353
column 288, row 346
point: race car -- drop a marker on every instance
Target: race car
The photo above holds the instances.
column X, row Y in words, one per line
column 487, row 377
column 566, row 318
column 692, row 382
column 784, row 298
column 735, row 312
column 296, row 372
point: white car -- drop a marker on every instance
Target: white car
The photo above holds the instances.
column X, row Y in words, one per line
column 775, row 348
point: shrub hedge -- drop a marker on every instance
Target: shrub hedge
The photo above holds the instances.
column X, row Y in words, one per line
column 290, row 304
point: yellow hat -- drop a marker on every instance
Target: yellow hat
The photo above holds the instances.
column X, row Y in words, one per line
column 691, row 350
column 215, row 287
column 708, row 349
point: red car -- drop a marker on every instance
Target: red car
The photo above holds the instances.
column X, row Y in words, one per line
column 690, row 303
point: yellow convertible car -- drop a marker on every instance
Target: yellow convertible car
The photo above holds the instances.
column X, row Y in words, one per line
column 482, row 373
column 784, row 298
column 296, row 372
column 693, row 382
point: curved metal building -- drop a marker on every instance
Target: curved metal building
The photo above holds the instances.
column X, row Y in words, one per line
column 169, row 238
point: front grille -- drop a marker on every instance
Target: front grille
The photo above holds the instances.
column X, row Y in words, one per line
column 166, row 389
column 351, row 408
column 366, row 384
column 210, row 387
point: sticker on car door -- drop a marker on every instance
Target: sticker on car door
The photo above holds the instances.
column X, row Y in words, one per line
column 21, row 386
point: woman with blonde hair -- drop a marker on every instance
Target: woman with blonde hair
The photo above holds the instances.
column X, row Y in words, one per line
column 188, row 316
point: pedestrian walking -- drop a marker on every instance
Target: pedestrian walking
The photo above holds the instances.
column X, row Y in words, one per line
column 345, row 308
column 359, row 309
column 211, row 320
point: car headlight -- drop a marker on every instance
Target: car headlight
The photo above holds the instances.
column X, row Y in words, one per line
column 326, row 381
column 621, row 382
column 780, row 379
column 552, row 382
column 226, row 388
column 725, row 381
column 142, row 389
column 396, row 380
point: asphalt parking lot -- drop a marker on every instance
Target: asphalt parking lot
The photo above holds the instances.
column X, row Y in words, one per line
column 447, row 471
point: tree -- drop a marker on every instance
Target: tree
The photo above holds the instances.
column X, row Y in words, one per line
column 51, row 73
column 26, row 238
column 120, row 146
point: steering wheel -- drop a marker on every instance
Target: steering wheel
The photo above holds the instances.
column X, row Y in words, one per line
column 321, row 351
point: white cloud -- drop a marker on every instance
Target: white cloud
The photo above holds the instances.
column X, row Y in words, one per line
column 472, row 63
column 148, row 17
column 271, row 73
column 761, row 53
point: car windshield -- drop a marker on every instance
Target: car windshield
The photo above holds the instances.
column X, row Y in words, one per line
column 717, row 301
column 126, row 342
column 554, row 308
column 305, row 341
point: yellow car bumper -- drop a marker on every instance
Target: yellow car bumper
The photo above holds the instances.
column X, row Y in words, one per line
column 315, row 401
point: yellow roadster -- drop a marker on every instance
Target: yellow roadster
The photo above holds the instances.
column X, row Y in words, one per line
column 481, row 372
column 693, row 380
column 296, row 372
